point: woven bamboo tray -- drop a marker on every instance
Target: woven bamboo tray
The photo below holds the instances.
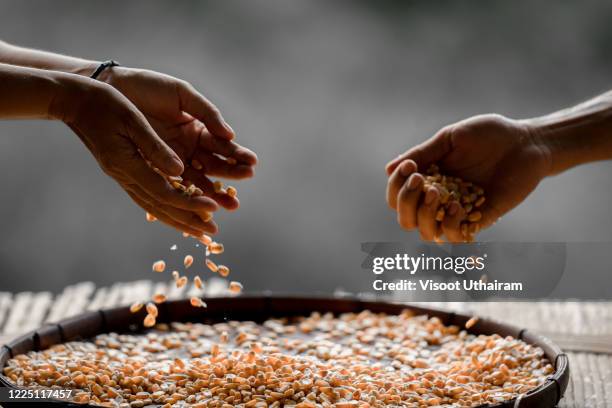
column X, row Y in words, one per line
column 259, row 308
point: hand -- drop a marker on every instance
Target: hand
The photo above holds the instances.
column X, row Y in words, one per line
column 499, row 154
column 191, row 126
column 122, row 141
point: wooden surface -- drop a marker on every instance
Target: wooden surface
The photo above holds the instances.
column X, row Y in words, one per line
column 583, row 330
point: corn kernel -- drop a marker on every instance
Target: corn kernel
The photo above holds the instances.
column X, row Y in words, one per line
column 159, row 266
column 188, row 261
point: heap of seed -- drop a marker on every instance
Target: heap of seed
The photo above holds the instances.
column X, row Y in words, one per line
column 453, row 189
column 212, row 247
column 353, row 360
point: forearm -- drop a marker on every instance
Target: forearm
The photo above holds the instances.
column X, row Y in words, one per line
column 30, row 93
column 577, row 135
column 25, row 57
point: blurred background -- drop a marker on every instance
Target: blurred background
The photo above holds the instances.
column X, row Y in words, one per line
column 326, row 93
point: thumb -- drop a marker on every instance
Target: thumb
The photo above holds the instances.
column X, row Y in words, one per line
column 426, row 153
column 201, row 108
column 153, row 148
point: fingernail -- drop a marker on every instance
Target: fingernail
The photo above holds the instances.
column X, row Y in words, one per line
column 430, row 196
column 453, row 208
column 177, row 166
column 413, row 182
column 406, row 168
column 228, row 127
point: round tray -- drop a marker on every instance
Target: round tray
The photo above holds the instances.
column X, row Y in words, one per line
column 259, row 308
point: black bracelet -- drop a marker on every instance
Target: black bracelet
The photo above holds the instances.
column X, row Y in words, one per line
column 103, row 66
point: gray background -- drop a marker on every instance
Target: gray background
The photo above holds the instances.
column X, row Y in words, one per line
column 326, row 93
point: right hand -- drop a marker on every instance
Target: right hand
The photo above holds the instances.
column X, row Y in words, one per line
column 122, row 141
column 499, row 154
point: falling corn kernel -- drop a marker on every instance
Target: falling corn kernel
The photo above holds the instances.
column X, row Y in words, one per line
column 218, row 186
column 216, row 248
column 182, row 281
column 231, row 161
column 175, row 275
column 197, row 302
column 159, row 266
column 235, row 287
column 185, row 235
column 173, row 247
column 211, row 265
column 151, row 217
column 223, row 271
column 159, row 298
column 205, row 239
column 149, row 321
column 188, row 261
column 136, row 307
column 471, row 322
column 197, row 281
column 196, row 164
column 231, row 191
column 152, row 309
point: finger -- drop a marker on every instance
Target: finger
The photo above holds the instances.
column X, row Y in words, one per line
column 493, row 207
column 206, row 185
column 426, row 214
column 408, row 200
column 162, row 216
column 227, row 148
column 451, row 225
column 213, row 165
column 426, row 153
column 200, row 220
column 439, row 235
column 201, row 108
column 397, row 180
column 157, row 187
column 153, row 147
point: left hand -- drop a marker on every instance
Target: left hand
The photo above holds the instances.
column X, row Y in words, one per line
column 190, row 124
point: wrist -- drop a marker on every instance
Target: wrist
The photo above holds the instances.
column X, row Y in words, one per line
column 85, row 69
column 575, row 136
column 70, row 92
column 88, row 68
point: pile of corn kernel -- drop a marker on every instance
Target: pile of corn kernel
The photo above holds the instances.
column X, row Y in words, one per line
column 211, row 247
column 353, row 360
column 453, row 189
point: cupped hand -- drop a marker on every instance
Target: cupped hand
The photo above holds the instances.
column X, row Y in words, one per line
column 191, row 126
column 501, row 155
column 127, row 148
